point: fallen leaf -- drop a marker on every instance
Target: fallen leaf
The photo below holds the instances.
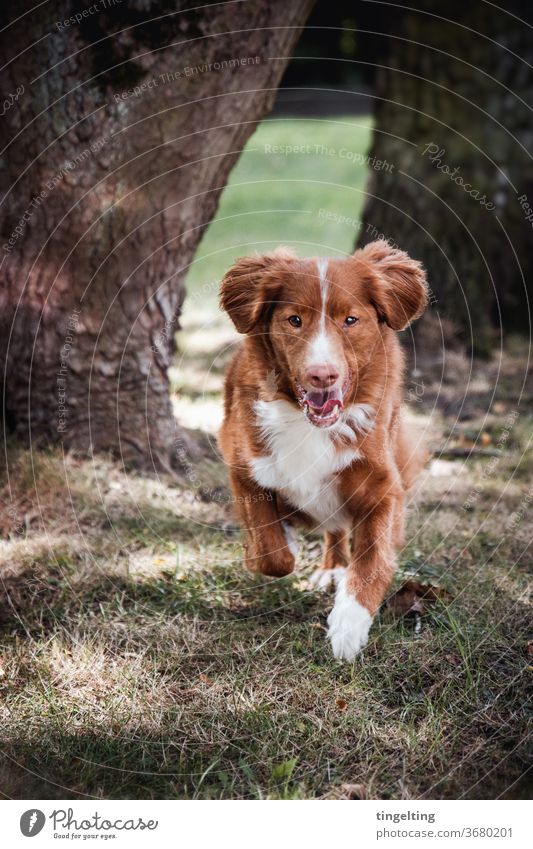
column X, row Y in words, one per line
column 342, row 704
column 413, row 598
column 499, row 407
column 353, row 791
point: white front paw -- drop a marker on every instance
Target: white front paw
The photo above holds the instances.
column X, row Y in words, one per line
column 349, row 623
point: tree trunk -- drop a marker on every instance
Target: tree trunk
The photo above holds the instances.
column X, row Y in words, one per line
column 119, row 132
column 453, row 103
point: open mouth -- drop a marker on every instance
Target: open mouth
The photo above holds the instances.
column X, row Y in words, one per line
column 323, row 407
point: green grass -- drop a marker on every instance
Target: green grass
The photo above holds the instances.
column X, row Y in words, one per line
column 282, row 198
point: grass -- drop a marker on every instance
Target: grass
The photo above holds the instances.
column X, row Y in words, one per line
column 139, row 660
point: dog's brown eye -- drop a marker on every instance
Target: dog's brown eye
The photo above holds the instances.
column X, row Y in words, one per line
column 350, row 321
column 295, row 320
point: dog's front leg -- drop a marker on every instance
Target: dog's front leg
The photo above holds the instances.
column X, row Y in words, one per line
column 336, row 558
column 362, row 586
column 268, row 544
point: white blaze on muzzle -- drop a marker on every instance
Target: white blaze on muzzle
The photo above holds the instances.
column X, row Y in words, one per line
column 322, row 405
column 321, row 349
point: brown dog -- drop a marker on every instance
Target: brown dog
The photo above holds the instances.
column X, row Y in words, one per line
column 312, row 428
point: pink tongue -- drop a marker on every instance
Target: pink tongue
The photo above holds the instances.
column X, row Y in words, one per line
column 324, row 402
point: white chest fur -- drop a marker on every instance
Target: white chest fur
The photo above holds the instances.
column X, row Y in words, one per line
column 302, row 460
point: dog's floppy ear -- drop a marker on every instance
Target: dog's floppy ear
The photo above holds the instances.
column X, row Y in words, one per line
column 397, row 287
column 250, row 286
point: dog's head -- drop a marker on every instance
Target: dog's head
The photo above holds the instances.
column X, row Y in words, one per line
column 322, row 319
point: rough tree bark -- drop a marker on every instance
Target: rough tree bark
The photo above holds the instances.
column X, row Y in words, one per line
column 118, row 134
column 454, row 102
